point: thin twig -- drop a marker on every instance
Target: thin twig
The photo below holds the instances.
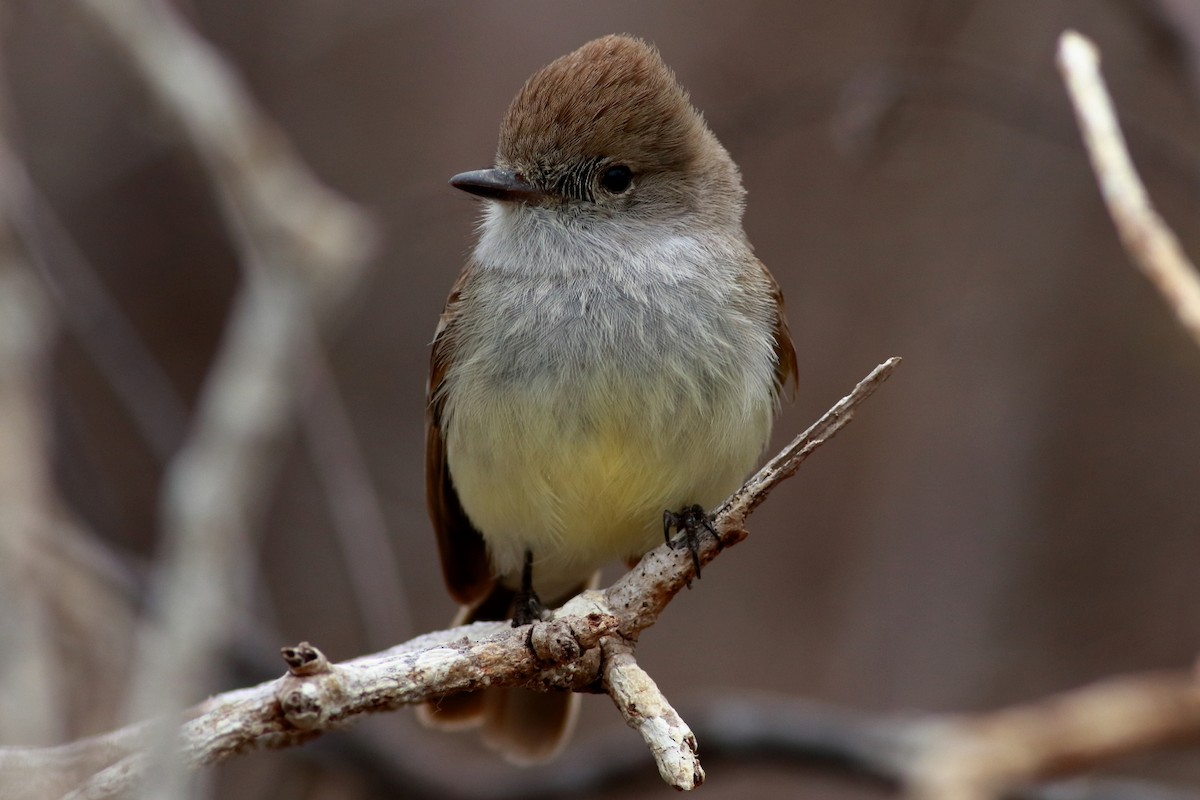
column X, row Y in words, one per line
column 982, row 756
column 1148, row 240
column 785, row 464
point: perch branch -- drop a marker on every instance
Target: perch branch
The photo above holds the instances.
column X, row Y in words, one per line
column 1147, row 239
column 563, row 653
column 316, row 696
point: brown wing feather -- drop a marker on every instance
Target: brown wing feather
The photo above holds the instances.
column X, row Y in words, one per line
column 465, row 565
column 785, row 351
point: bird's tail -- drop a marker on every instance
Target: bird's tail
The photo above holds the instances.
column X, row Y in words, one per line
column 525, row 726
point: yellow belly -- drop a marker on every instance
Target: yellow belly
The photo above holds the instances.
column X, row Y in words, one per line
column 580, row 484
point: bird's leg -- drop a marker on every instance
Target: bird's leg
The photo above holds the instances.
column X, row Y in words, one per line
column 527, row 607
column 690, row 522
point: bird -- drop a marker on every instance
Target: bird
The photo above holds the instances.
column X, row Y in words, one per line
column 608, row 364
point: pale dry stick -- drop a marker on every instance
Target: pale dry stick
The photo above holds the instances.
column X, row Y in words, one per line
column 983, row 756
column 1148, row 240
column 301, row 248
column 563, row 654
column 316, row 696
column 39, row 773
column 647, row 711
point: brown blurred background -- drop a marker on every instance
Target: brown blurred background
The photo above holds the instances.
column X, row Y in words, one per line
column 1015, row 513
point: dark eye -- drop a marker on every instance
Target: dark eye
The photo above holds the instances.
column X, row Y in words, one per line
column 617, row 179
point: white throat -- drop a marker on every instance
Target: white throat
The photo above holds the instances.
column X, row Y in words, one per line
column 625, row 247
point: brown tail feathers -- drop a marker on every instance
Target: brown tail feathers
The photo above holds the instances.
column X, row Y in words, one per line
column 525, row 726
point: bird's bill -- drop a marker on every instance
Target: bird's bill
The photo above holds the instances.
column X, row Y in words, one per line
column 498, row 184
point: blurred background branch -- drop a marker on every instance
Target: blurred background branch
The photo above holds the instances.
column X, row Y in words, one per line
column 1151, row 244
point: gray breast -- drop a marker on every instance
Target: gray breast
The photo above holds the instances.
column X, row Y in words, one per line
column 564, row 328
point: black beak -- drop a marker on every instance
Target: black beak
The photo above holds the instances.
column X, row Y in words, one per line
column 498, row 184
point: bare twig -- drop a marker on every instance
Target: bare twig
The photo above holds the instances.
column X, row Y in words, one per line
column 981, row 757
column 1147, row 239
column 316, row 696
column 640, row 595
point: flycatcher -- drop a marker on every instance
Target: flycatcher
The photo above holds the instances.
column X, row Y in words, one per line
column 613, row 350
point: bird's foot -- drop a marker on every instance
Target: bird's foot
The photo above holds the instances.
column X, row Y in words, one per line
column 691, row 521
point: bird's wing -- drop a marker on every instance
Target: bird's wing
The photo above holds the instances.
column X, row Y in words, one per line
column 465, row 564
column 785, row 351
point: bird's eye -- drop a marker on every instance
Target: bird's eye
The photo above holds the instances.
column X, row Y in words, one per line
column 617, row 179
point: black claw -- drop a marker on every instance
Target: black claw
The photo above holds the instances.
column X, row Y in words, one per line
column 689, row 522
